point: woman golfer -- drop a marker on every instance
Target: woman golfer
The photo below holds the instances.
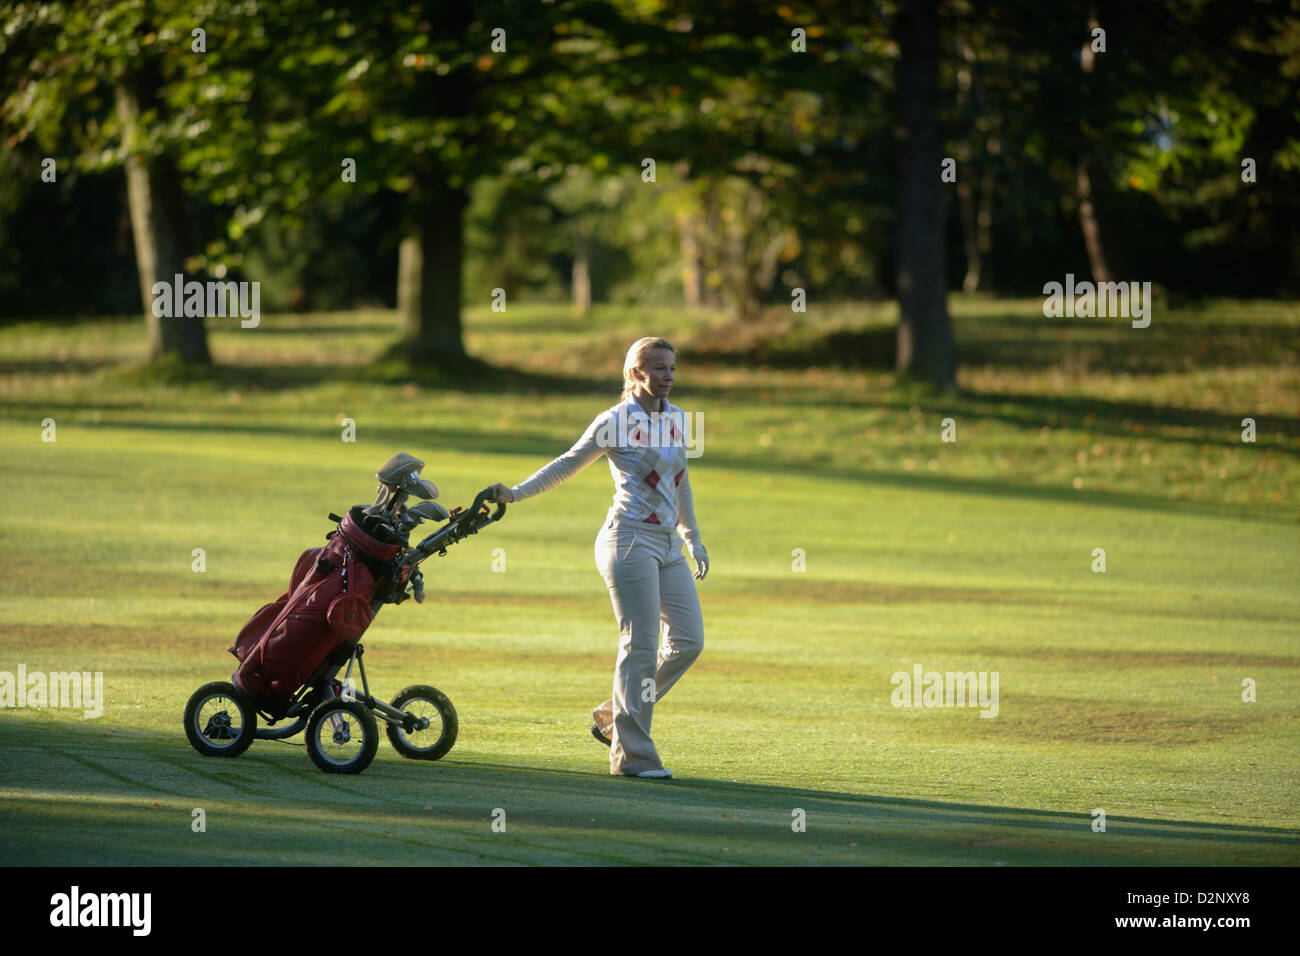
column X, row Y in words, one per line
column 637, row 552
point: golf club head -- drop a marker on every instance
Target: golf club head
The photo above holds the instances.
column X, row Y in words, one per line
column 420, row 487
column 402, row 474
column 429, row 510
column 398, row 469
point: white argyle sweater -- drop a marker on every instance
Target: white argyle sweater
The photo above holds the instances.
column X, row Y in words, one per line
column 647, row 459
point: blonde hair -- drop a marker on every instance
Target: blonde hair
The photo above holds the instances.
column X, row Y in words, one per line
column 636, row 354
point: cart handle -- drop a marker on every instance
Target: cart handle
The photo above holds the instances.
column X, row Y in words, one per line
column 460, row 526
column 469, row 520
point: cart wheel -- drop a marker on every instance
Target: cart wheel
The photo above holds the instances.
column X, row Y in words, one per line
column 219, row 721
column 431, row 707
column 342, row 736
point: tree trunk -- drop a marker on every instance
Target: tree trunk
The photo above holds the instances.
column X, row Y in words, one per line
column 966, row 199
column 157, row 206
column 1083, row 182
column 582, row 275
column 984, row 224
column 711, row 238
column 688, row 230
column 743, row 266
column 966, row 205
column 408, row 277
column 735, row 269
column 976, row 199
column 1091, row 228
column 976, row 205
column 429, row 275
column 925, row 346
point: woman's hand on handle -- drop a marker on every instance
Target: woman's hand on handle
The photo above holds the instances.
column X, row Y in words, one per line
column 501, row 493
column 701, row 562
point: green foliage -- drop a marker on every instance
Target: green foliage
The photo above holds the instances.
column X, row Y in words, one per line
column 781, row 161
column 66, row 61
column 1224, row 104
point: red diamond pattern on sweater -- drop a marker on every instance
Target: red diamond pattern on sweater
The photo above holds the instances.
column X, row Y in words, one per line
column 652, row 479
column 653, row 519
column 638, row 439
column 677, row 479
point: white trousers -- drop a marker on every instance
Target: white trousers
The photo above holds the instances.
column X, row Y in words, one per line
column 649, row 583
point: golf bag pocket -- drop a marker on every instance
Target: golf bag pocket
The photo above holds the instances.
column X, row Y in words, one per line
column 349, row 615
column 257, row 626
column 329, row 605
column 252, row 631
column 305, row 566
column 296, row 643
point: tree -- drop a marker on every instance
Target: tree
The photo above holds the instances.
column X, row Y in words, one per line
column 427, row 98
column 978, row 155
column 776, row 166
column 1083, row 180
column 92, row 83
column 925, row 344
column 1223, row 146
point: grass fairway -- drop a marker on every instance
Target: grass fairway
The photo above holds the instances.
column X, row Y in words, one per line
column 1120, row 691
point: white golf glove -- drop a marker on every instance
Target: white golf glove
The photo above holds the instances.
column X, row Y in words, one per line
column 701, row 558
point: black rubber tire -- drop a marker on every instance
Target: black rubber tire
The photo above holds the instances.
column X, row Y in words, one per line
column 243, row 732
column 450, row 724
column 361, row 719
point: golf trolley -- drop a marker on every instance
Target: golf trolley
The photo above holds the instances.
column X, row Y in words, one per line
column 292, row 650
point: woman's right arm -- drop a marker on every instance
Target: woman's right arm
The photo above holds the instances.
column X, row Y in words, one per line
column 584, row 451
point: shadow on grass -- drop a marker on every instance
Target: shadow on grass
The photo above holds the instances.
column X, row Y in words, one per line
column 1017, row 342
column 1095, row 415
column 52, row 366
column 473, row 376
column 404, row 811
column 429, row 442
column 871, row 348
column 996, row 488
column 998, row 341
column 1023, row 410
column 555, row 324
column 733, row 793
column 1031, row 412
column 64, row 321
column 1010, row 342
column 360, row 328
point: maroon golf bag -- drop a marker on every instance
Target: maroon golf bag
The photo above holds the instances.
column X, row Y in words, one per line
column 328, row 603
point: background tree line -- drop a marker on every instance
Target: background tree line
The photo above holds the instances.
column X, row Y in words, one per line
column 795, row 145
